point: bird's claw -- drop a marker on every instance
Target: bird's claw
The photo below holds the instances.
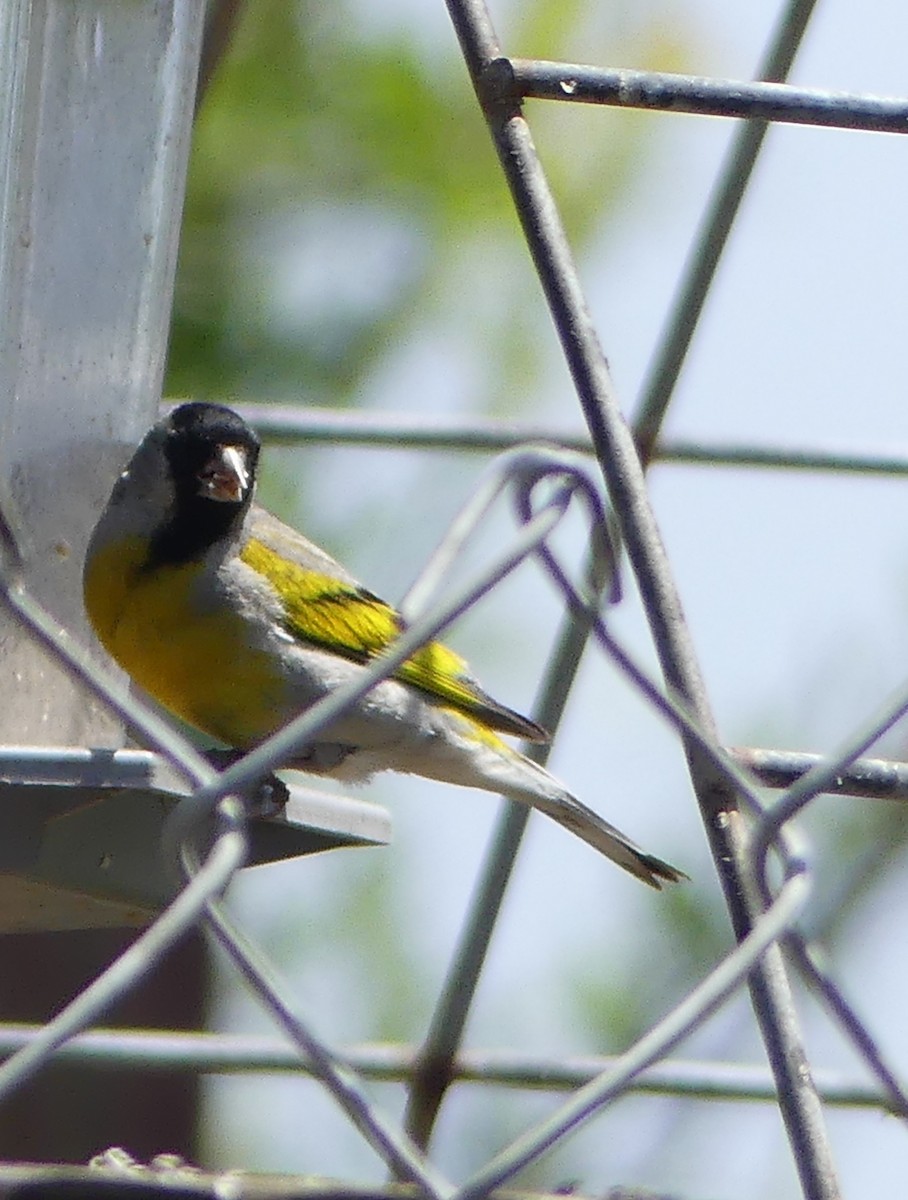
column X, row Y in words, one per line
column 266, row 797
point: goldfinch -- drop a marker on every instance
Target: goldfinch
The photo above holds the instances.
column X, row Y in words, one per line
column 236, row 623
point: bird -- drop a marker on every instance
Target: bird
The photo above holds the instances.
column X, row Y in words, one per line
column 236, row 623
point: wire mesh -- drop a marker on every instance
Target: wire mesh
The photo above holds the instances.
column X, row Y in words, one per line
column 743, row 831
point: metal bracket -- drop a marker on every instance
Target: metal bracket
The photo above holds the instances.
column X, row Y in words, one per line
column 80, row 832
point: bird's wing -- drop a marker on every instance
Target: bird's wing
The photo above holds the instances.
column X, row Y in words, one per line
column 286, row 541
column 324, row 606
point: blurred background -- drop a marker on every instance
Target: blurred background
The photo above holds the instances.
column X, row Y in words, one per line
column 349, row 242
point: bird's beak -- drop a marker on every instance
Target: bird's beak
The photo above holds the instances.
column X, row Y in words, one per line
column 225, row 476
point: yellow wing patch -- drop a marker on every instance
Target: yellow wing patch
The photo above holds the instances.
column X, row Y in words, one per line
column 352, row 622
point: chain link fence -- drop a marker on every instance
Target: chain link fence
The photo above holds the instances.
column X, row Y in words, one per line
column 761, row 859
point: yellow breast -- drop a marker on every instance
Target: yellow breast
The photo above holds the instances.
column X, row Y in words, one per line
column 196, row 661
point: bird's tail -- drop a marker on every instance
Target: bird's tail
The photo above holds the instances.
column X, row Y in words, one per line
column 521, row 779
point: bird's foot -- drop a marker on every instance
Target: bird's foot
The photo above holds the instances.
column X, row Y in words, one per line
column 267, row 797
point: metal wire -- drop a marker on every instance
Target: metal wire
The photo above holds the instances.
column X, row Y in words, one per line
column 125, row 972
column 726, row 783
column 404, row 1157
column 227, row 1054
column 693, row 94
column 874, row 778
column 623, row 473
column 682, row 1020
column 293, row 425
column 711, row 238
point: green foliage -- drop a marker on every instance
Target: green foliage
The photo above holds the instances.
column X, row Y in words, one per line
column 343, row 163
